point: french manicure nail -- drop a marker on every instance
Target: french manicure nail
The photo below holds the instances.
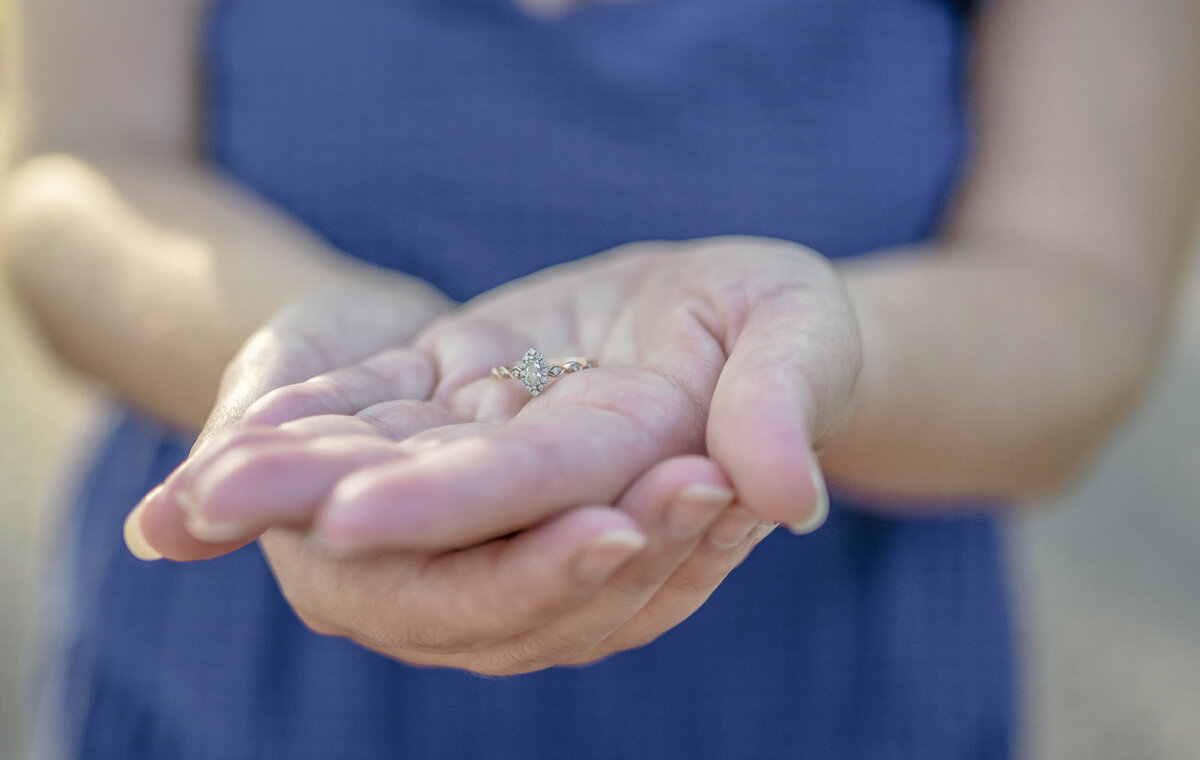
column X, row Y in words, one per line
column 135, row 540
column 608, row 552
column 694, row 507
column 204, row 529
column 820, row 509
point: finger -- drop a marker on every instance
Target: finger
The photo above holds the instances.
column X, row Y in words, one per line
column 251, row 477
column 787, row 384
column 583, row 448
column 489, row 399
column 310, row 336
column 156, row 527
column 271, row 358
column 466, row 348
column 398, row 373
column 398, row 421
column 691, row 584
column 258, row 478
column 461, row 601
column 401, row 420
column 674, row 505
column 767, row 451
column 234, row 497
column 674, row 498
column 251, row 487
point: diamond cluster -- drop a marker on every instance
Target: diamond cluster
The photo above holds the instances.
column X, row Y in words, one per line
column 533, row 371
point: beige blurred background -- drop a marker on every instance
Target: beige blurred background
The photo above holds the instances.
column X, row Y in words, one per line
column 41, row 412
column 1108, row 577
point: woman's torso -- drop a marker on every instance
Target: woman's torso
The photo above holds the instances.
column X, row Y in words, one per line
column 466, row 143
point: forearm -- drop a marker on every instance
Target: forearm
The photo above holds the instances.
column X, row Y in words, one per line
column 988, row 375
column 997, row 358
column 149, row 274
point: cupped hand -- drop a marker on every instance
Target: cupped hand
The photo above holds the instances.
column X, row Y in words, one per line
column 744, row 347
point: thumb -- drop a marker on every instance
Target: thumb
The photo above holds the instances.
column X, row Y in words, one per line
column 271, row 358
column 785, row 391
column 316, row 333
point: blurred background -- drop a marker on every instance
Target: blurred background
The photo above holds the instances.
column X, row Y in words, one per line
column 1107, row 577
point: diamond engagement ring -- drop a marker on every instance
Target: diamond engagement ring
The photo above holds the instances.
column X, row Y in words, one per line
column 535, row 372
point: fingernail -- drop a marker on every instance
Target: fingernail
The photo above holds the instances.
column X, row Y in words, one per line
column 135, row 540
column 693, row 508
column 732, row 530
column 608, row 552
column 203, row 529
column 186, row 502
column 820, row 509
column 213, row 532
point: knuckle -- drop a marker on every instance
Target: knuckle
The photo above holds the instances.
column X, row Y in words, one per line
column 440, row 631
column 383, row 633
column 527, row 605
column 526, row 654
column 430, row 638
column 637, row 577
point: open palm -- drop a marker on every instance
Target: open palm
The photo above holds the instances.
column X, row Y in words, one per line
column 741, row 349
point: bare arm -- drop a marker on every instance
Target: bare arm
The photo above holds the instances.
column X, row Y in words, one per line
column 143, row 267
column 996, row 358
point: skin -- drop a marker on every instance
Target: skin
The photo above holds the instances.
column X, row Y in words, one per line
column 988, row 362
column 679, row 332
column 349, row 451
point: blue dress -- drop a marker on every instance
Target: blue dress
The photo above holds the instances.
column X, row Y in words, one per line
column 468, row 144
